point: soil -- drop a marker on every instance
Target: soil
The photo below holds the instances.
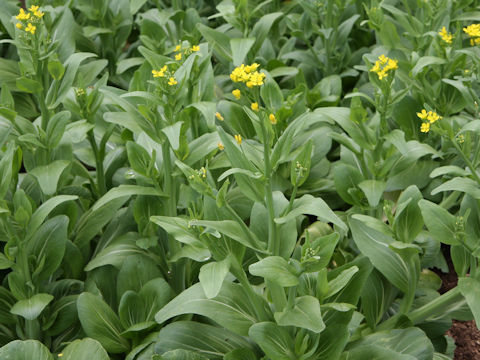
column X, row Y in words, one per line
column 465, row 333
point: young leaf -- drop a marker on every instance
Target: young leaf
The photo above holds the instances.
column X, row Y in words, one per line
column 275, row 269
column 212, row 275
column 31, row 308
column 304, row 314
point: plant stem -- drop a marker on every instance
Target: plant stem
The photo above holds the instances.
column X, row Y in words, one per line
column 178, row 268
column 467, row 161
column 436, row 306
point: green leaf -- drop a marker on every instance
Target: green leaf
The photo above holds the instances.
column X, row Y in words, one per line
column 373, row 190
column 233, row 230
column 25, row 350
column 56, row 128
column 463, row 184
column 426, row 61
column 172, row 132
column 408, row 218
column 271, row 95
column 403, row 344
column 124, row 191
column 240, row 49
column 29, row 85
column 310, row 205
column 6, row 170
column 440, row 223
column 470, row 289
column 86, row 349
column 212, row 275
column 207, row 339
column 275, row 269
column 218, row 40
column 375, row 245
column 49, row 175
column 47, row 245
column 56, row 69
column 231, row 308
column 262, row 28
column 180, row 354
column 31, row 308
column 178, row 228
column 274, row 340
column 340, row 281
column 304, row 314
column 101, row 323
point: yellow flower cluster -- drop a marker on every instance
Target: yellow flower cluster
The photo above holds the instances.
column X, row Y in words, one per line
column 383, row 65
column 178, row 50
column 163, row 72
column 273, row 119
column 474, row 32
column 445, row 35
column 248, row 74
column 29, row 18
column 237, row 93
column 429, row 117
column 238, row 139
column 159, row 73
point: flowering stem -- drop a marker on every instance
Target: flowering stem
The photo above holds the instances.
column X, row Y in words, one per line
column 467, row 161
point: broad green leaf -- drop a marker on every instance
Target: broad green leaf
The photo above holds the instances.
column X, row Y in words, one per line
column 181, row 354
column 49, row 175
column 304, row 314
column 47, row 245
column 6, row 170
column 212, row 275
column 440, row 223
column 373, row 190
column 172, row 133
column 25, row 350
column 178, row 228
column 101, row 323
column 86, row 349
column 341, row 280
column 408, row 218
column 409, row 344
column 45, row 209
column 274, row 340
column 426, row 61
column 240, row 49
column 375, row 245
column 207, row 339
column 231, row 308
column 275, row 269
column 310, row 205
column 31, row 308
column 218, row 40
column 125, row 190
column 463, row 184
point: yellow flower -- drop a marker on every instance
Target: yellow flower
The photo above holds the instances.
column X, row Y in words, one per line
column 220, row 146
column 172, row 81
column 219, row 116
column 22, row 15
column 178, row 48
column 445, row 35
column 178, row 56
column 383, row 65
column 238, row 138
column 425, row 128
column 254, row 106
column 158, row 73
column 35, row 10
column 203, row 172
column 60, row 355
column 19, row 26
column 474, row 32
column 237, row 93
column 248, row 75
column 195, row 48
column 433, row 116
column 31, row 29
column 273, row 119
column 422, row 115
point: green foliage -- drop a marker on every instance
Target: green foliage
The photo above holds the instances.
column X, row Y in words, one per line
column 237, row 179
